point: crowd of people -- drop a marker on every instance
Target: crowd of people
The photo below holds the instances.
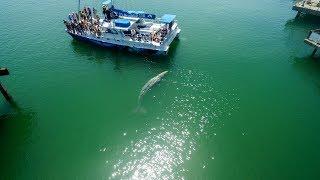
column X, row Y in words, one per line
column 315, row 3
column 87, row 21
column 84, row 22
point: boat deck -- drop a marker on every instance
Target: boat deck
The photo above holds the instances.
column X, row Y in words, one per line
column 307, row 7
column 119, row 28
column 151, row 27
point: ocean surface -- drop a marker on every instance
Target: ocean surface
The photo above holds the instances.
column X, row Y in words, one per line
column 241, row 99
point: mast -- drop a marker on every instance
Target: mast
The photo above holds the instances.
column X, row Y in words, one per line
column 79, row 6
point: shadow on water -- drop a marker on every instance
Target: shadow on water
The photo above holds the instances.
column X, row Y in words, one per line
column 309, row 68
column 16, row 127
column 296, row 31
column 304, row 21
column 121, row 57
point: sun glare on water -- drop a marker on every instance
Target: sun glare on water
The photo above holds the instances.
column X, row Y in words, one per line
column 162, row 152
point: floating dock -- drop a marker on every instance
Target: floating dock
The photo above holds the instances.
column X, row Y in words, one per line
column 313, row 40
column 311, row 7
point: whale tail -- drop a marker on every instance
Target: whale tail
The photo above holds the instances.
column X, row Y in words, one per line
column 139, row 108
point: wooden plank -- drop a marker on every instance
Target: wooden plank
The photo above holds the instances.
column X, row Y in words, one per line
column 4, row 72
column 312, row 43
column 314, row 52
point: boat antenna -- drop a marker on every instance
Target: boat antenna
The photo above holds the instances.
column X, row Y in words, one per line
column 79, row 5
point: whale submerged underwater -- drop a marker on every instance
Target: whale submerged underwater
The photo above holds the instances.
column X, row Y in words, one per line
column 153, row 81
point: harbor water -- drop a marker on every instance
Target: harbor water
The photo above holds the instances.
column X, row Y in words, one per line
column 240, row 101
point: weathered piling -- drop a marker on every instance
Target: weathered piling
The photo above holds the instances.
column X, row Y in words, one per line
column 314, row 52
column 4, row 92
column 4, row 71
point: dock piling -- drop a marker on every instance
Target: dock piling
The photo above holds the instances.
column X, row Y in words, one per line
column 4, row 72
column 5, row 93
column 314, row 52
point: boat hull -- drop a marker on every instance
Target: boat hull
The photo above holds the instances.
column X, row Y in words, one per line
column 92, row 41
column 111, row 45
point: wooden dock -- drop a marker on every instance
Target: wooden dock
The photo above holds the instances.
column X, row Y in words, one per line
column 311, row 7
column 313, row 40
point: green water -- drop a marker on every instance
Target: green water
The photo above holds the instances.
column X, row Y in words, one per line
column 241, row 100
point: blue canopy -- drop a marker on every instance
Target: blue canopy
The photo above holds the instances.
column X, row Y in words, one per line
column 136, row 14
column 124, row 23
column 167, row 18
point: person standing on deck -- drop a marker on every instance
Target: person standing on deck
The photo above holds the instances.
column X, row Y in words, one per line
column 107, row 13
column 68, row 25
column 94, row 11
column 89, row 13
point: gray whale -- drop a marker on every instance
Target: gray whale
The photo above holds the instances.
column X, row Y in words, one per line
column 153, row 81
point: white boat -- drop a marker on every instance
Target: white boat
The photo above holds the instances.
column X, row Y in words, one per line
column 135, row 30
